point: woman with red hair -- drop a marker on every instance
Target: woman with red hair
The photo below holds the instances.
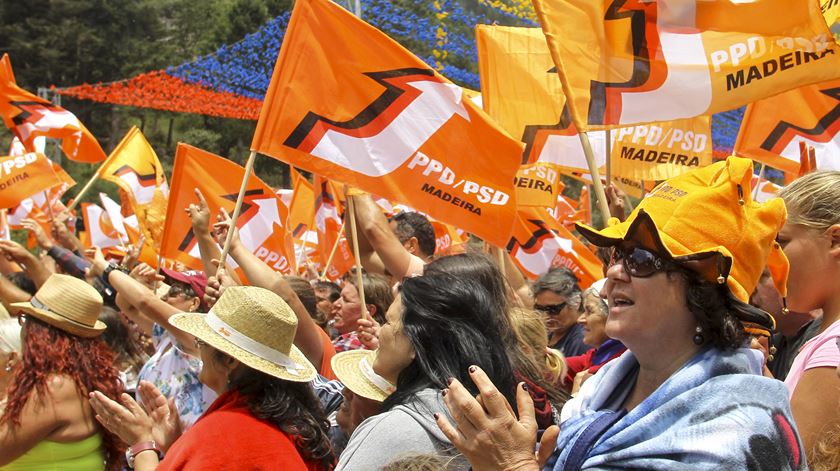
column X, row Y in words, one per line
column 48, row 420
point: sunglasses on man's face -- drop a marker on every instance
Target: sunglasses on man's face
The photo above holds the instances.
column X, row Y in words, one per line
column 550, row 309
column 639, row 262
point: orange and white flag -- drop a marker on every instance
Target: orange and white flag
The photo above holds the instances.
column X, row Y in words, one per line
column 328, row 223
column 627, row 62
column 135, row 168
column 29, row 117
column 261, row 222
column 764, row 189
column 23, row 176
column 537, row 245
column 118, row 222
column 397, row 129
column 99, row 228
column 773, row 128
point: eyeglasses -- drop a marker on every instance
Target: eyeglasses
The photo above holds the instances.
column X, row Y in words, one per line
column 639, row 262
column 551, row 309
column 199, row 343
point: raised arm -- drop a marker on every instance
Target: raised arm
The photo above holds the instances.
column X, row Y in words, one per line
column 200, row 216
column 142, row 298
column 307, row 337
column 34, row 268
column 388, row 252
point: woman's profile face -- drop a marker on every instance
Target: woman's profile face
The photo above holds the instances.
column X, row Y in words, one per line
column 813, row 273
column 644, row 312
column 593, row 321
column 395, row 350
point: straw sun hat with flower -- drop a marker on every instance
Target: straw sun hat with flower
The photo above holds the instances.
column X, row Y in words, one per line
column 254, row 326
column 66, row 303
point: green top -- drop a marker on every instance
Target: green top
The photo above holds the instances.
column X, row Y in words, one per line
column 84, row 455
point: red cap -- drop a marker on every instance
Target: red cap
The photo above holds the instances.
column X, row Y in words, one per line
column 196, row 279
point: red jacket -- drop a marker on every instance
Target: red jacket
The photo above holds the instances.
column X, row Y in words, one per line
column 229, row 437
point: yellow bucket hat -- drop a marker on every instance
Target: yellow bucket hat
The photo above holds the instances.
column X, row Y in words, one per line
column 707, row 221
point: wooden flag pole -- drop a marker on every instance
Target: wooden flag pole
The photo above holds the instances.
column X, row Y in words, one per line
column 760, row 177
column 351, row 208
column 598, row 188
column 334, row 249
column 249, row 166
column 608, row 160
column 87, row 186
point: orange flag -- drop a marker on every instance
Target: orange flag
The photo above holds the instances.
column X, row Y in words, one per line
column 302, row 207
column 449, row 240
column 261, row 224
column 24, row 176
column 773, row 128
column 135, row 168
column 638, row 61
column 328, row 222
column 349, row 103
column 29, row 116
column 538, row 244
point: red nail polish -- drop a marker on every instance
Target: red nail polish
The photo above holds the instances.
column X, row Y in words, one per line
column 524, row 387
column 443, row 393
column 450, row 380
column 472, row 369
column 437, row 416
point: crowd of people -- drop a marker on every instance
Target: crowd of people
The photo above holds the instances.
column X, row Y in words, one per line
column 712, row 342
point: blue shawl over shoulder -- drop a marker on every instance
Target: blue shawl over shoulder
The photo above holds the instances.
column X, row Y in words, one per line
column 716, row 412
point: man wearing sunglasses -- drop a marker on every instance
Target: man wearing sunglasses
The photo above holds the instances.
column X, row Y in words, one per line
column 557, row 297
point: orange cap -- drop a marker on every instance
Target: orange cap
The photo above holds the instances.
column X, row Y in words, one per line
column 707, row 221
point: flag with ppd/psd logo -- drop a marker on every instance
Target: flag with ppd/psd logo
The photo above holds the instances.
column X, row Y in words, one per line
column 350, row 104
column 627, row 62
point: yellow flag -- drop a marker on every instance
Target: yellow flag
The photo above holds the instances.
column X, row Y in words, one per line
column 661, row 151
column 626, row 62
column 135, row 168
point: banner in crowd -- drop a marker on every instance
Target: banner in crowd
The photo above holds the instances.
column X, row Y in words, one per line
column 120, row 223
column 23, row 176
column 397, row 129
column 538, row 244
column 302, row 220
column 773, row 128
column 134, row 167
column 328, row 210
column 29, row 117
column 261, row 222
column 627, row 62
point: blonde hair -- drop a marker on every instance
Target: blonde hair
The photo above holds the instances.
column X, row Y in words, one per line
column 533, row 340
column 827, row 452
column 10, row 335
column 813, row 201
column 420, row 462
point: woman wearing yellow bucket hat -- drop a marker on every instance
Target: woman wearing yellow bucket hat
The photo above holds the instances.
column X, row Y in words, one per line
column 266, row 417
column 47, row 422
column 687, row 394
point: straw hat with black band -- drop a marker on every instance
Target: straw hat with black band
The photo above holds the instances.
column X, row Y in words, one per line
column 66, row 303
column 254, row 326
column 354, row 368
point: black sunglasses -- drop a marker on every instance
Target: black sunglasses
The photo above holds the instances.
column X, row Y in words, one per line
column 550, row 309
column 639, row 262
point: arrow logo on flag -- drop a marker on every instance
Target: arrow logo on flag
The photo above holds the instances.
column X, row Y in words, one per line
column 378, row 140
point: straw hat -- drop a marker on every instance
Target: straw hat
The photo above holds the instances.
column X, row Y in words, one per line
column 256, row 327
column 67, row 303
column 354, row 368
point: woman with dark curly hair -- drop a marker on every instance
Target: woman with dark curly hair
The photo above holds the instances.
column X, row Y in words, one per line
column 48, row 422
column 688, row 393
column 266, row 415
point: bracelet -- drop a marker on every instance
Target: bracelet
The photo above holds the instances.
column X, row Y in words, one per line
column 134, row 450
column 107, row 272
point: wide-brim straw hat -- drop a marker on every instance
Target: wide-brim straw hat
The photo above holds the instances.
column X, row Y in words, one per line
column 66, row 303
column 354, row 368
column 254, row 326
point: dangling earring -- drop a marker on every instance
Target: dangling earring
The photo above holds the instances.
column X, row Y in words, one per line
column 8, row 367
column 698, row 336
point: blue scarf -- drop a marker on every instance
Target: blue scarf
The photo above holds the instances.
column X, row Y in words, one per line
column 716, row 412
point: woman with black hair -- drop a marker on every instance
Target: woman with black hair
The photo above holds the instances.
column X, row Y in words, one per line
column 438, row 326
column 266, row 416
